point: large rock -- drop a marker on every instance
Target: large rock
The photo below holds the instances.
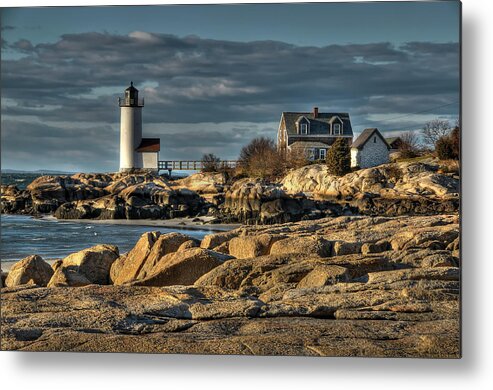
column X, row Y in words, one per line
column 396, row 179
column 440, row 273
column 243, row 247
column 93, row 263
column 32, row 270
column 419, row 237
column 165, row 244
column 316, row 246
column 395, row 303
column 262, row 273
column 49, row 192
column 183, row 267
column 204, row 182
column 130, row 266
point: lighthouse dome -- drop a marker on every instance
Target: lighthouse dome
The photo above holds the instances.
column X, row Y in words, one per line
column 132, row 88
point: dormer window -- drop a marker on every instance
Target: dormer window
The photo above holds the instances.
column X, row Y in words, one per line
column 304, row 128
column 337, row 129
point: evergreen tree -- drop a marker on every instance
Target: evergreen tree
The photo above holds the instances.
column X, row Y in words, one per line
column 339, row 158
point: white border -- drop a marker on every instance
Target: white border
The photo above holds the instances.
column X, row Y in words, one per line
column 473, row 371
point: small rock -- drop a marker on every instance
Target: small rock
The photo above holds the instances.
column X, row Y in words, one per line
column 188, row 244
column 323, row 275
column 375, row 247
column 68, row 277
column 341, row 248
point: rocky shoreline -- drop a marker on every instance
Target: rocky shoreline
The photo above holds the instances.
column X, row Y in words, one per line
column 344, row 286
column 308, row 193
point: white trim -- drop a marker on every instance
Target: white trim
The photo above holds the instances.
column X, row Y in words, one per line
column 324, row 153
column 303, row 128
column 335, row 117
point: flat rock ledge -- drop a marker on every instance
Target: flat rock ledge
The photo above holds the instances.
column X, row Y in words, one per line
column 347, row 286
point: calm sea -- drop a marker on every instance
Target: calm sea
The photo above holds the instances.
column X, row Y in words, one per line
column 22, row 236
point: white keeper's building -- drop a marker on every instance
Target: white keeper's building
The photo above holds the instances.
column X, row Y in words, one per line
column 369, row 149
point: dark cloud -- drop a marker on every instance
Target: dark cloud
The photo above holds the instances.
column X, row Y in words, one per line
column 58, row 147
column 22, row 45
column 194, row 80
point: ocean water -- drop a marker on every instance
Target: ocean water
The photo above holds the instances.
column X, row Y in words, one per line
column 21, row 180
column 22, row 236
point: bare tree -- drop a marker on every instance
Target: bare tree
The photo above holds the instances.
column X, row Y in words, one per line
column 409, row 146
column 434, row 130
column 260, row 158
column 210, row 163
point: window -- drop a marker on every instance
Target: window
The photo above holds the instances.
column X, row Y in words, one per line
column 337, row 129
column 374, row 140
column 311, row 154
column 323, row 154
column 304, row 128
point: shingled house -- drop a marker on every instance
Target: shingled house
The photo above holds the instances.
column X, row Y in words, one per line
column 312, row 132
column 369, row 149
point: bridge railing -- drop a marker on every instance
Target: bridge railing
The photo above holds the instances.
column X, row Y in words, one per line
column 191, row 165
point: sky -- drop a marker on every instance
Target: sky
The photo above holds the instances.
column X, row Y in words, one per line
column 216, row 76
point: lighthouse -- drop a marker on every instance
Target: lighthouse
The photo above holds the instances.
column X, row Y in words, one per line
column 136, row 153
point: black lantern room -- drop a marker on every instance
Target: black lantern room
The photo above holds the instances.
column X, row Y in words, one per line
column 131, row 97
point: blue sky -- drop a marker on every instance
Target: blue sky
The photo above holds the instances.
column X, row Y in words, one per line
column 216, row 76
column 301, row 24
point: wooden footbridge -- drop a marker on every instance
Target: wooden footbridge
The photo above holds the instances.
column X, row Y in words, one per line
column 190, row 165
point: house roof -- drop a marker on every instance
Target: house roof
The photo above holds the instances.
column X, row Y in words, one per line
column 365, row 136
column 308, row 144
column 391, row 140
column 318, row 125
column 149, row 145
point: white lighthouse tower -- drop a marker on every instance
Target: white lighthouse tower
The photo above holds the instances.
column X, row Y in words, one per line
column 130, row 129
column 136, row 153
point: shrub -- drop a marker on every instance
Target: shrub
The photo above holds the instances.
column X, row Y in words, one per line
column 210, row 163
column 455, row 138
column 448, row 147
column 408, row 147
column 443, row 148
column 260, row 158
column 297, row 158
column 339, row 158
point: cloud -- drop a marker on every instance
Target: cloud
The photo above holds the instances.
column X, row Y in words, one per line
column 29, row 145
column 203, row 81
column 22, row 45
